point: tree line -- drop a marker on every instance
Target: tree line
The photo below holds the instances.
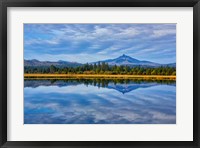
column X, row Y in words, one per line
column 102, row 68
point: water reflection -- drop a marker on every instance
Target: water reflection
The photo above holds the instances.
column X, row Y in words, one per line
column 121, row 85
column 99, row 101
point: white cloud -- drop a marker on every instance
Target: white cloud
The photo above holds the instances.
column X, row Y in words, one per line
column 164, row 32
column 103, row 40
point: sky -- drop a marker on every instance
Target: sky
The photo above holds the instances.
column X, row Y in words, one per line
column 84, row 43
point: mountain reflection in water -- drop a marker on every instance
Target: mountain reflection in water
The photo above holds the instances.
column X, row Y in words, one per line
column 121, row 85
column 99, row 101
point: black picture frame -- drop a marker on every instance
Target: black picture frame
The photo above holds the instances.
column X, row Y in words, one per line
column 4, row 4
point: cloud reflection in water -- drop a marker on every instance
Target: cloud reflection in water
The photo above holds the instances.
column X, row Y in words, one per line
column 74, row 102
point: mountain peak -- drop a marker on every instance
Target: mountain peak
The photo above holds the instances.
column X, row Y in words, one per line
column 124, row 55
column 127, row 60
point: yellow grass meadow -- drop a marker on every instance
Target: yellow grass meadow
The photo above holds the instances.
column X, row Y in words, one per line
column 66, row 76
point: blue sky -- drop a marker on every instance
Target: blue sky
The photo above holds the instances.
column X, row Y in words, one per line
column 93, row 42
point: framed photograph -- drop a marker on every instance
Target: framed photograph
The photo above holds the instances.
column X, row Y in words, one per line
column 99, row 73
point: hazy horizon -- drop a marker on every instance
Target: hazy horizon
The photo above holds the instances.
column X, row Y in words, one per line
column 84, row 43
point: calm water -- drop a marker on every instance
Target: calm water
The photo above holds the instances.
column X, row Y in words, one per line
column 99, row 102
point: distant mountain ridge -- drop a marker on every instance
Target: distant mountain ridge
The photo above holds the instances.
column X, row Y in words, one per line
column 121, row 60
column 59, row 63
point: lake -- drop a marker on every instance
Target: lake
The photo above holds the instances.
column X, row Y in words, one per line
column 99, row 101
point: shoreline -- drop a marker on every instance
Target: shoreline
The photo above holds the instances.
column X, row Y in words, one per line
column 104, row 76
